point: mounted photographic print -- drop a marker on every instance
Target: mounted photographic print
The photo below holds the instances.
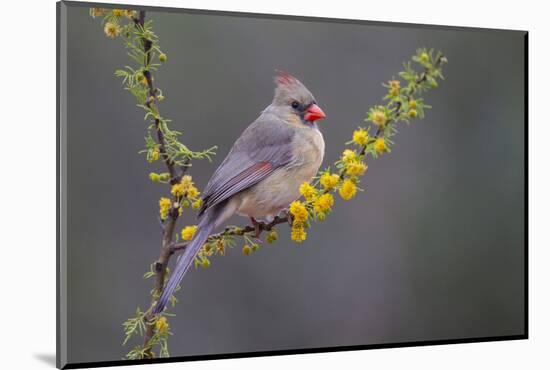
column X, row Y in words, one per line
column 235, row 184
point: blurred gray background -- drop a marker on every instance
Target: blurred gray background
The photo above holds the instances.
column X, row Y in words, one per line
column 433, row 249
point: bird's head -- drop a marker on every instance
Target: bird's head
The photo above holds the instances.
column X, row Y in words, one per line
column 293, row 102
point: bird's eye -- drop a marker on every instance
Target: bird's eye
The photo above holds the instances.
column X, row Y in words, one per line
column 295, row 104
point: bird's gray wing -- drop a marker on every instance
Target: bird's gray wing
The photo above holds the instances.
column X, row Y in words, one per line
column 262, row 148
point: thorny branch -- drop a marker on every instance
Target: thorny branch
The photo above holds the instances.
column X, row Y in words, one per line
column 168, row 230
column 166, row 249
column 398, row 108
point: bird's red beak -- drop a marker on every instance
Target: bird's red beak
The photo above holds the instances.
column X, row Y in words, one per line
column 314, row 113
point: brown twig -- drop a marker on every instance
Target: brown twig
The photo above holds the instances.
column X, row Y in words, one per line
column 168, row 231
column 238, row 231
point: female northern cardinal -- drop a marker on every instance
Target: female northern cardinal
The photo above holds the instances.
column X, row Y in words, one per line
column 262, row 173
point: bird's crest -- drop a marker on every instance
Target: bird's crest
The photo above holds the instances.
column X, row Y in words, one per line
column 283, row 78
column 289, row 87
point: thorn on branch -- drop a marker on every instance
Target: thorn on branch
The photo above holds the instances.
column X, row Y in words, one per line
column 161, row 223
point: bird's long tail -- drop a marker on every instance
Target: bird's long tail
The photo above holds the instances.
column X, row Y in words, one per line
column 205, row 227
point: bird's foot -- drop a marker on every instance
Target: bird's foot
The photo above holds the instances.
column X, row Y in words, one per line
column 288, row 216
column 257, row 229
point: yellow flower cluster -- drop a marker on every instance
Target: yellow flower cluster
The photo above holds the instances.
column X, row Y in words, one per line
column 158, row 177
column 140, row 77
column 197, row 203
column 188, row 232
column 348, row 189
column 130, row 13
column 162, row 325
column 119, row 12
column 185, row 191
column 164, row 207
column 379, row 117
column 97, row 12
column 154, row 155
column 308, row 191
column 298, row 233
column 413, row 113
column 380, row 146
column 192, row 192
column 111, row 29
column 329, row 181
column 249, row 248
column 349, row 156
column 185, row 188
column 356, row 168
column 424, row 57
column 395, row 87
column 272, row 236
column 352, row 161
column 154, row 177
column 220, row 246
column 178, row 190
column 360, row 136
column 324, row 203
column 299, row 212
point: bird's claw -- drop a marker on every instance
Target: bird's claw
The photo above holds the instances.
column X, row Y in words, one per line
column 257, row 229
column 288, row 216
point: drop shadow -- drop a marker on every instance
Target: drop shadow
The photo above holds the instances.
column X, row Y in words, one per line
column 47, row 358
